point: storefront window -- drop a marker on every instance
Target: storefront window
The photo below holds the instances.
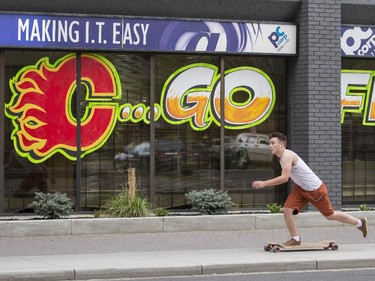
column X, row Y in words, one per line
column 173, row 153
column 358, row 141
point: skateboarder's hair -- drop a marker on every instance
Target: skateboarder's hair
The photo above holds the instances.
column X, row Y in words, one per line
column 281, row 137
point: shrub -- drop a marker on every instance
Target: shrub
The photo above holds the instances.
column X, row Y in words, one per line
column 274, row 207
column 122, row 206
column 51, row 205
column 210, row 201
column 128, row 203
column 160, row 212
column 98, row 214
column 363, row 207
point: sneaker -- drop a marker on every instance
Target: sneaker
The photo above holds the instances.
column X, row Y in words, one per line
column 292, row 242
column 363, row 228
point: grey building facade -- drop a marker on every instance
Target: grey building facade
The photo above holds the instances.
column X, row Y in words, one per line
column 312, row 85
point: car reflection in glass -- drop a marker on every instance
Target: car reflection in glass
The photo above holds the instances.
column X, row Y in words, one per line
column 170, row 155
column 249, row 148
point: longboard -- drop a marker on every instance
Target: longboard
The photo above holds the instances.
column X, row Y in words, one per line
column 322, row 245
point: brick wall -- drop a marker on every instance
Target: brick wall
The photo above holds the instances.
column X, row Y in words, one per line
column 315, row 130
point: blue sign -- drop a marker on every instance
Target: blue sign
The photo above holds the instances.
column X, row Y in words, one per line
column 358, row 41
column 144, row 34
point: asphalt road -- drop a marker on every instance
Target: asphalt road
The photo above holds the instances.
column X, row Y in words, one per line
column 324, row 275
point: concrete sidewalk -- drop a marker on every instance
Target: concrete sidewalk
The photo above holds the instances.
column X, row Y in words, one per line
column 175, row 263
column 104, row 256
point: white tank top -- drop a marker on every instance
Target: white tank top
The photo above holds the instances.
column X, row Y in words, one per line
column 302, row 175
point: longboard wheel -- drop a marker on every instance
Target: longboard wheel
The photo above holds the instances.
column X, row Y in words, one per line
column 267, row 248
column 334, row 247
column 276, row 249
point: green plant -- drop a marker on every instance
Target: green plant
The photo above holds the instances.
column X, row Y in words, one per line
column 51, row 205
column 160, row 212
column 363, row 207
column 274, row 207
column 98, row 214
column 128, row 203
column 210, row 201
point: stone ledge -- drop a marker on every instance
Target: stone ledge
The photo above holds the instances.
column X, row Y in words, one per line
column 94, row 226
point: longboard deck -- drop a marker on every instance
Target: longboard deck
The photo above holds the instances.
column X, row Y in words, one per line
column 322, row 245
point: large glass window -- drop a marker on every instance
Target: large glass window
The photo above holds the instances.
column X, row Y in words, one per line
column 179, row 151
column 358, row 136
column 196, row 150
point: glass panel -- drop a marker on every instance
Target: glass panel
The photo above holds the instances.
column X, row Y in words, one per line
column 26, row 169
column 104, row 171
column 184, row 157
column 248, row 157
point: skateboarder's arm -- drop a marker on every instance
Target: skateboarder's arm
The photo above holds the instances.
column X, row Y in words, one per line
column 286, row 165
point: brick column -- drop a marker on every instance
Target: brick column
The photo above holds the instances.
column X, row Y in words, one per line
column 314, row 104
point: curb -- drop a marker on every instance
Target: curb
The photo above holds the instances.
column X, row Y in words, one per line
column 94, row 226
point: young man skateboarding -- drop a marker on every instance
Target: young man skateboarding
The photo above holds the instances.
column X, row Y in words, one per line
column 307, row 188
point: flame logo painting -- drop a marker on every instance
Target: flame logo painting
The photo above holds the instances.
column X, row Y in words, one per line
column 43, row 101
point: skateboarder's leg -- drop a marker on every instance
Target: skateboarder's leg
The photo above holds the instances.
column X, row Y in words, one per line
column 343, row 217
column 320, row 199
column 323, row 204
column 361, row 224
column 290, row 221
column 293, row 204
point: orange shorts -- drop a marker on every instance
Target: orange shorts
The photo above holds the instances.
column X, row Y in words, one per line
column 299, row 198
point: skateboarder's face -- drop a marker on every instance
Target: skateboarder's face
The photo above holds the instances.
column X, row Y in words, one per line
column 276, row 146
